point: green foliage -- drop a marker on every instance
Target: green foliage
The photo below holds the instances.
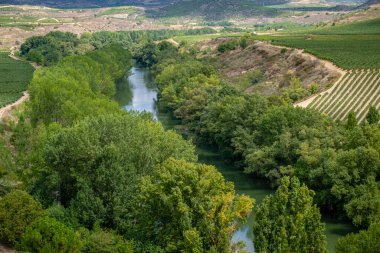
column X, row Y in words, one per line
column 364, row 241
column 213, row 10
column 228, row 46
column 49, row 49
column 15, row 77
column 78, row 86
column 99, row 241
column 289, row 221
column 17, row 211
column 49, row 235
column 188, row 207
column 92, row 168
column 363, row 27
column 364, row 207
column 373, row 115
column 346, row 51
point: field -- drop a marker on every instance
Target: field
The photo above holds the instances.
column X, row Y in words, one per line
column 346, row 51
column 202, row 37
column 356, row 91
column 15, row 77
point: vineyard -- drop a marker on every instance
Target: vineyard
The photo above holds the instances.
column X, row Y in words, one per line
column 346, row 51
column 14, row 78
column 356, row 91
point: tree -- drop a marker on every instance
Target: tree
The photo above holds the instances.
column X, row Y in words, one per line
column 352, row 122
column 17, row 211
column 367, row 241
column 47, row 235
column 188, row 207
column 289, row 221
column 373, row 115
column 99, row 241
column 93, row 167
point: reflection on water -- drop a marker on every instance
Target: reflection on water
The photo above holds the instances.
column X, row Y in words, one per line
column 138, row 92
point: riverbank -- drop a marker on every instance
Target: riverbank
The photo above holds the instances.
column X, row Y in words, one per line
column 138, row 92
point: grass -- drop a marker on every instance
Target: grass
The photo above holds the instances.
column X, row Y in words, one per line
column 198, row 38
column 358, row 28
column 119, row 10
column 14, row 78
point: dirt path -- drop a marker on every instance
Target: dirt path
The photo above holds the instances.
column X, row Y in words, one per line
column 4, row 249
column 5, row 111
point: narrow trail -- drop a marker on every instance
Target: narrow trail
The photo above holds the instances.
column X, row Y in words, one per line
column 5, row 111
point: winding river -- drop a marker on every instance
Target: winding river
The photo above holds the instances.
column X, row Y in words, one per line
column 137, row 91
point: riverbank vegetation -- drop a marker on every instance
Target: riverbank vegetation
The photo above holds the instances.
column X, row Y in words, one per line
column 79, row 174
column 269, row 138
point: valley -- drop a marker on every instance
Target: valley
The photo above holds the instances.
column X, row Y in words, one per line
column 189, row 126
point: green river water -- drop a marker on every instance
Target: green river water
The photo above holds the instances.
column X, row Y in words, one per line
column 137, row 91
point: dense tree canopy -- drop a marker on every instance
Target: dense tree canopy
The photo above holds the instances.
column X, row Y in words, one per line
column 188, row 207
column 289, row 221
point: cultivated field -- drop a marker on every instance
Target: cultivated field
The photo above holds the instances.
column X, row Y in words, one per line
column 356, row 91
column 15, row 77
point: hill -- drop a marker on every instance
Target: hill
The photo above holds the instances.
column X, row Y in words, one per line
column 213, row 9
column 72, row 4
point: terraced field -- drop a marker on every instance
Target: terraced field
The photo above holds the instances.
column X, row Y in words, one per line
column 356, row 91
column 14, row 78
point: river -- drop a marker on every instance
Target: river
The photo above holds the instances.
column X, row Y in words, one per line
column 137, row 91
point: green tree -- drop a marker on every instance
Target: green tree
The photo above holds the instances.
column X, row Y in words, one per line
column 93, row 167
column 99, row 241
column 17, row 211
column 289, row 221
column 188, row 207
column 352, row 122
column 49, row 235
column 367, row 241
column 373, row 115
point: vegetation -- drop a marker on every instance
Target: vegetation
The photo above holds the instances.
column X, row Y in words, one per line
column 346, row 51
column 48, row 50
column 17, row 211
column 289, row 221
column 213, row 10
column 356, row 92
column 49, row 235
column 15, row 77
column 364, row 241
column 364, row 27
column 270, row 138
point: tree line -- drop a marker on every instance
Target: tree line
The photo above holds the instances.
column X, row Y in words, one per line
column 267, row 137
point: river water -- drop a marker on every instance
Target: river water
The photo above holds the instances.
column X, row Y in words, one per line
column 138, row 92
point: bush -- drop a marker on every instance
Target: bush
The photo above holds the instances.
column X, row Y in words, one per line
column 106, row 242
column 17, row 211
column 49, row 235
column 228, row 46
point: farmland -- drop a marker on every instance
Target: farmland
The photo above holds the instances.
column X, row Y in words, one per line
column 355, row 92
column 15, row 77
column 346, row 51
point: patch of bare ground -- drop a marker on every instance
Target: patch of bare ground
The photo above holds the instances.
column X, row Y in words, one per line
column 278, row 65
column 371, row 13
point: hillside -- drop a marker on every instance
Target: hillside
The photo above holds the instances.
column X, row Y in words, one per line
column 213, row 9
column 71, row 4
column 277, row 66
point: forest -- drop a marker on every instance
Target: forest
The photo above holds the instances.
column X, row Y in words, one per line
column 78, row 174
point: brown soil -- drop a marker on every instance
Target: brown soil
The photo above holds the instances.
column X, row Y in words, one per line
column 276, row 63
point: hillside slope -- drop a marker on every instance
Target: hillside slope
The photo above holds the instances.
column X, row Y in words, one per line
column 213, row 9
column 277, row 65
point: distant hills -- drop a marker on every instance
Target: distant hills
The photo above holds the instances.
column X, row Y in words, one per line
column 217, row 9
column 106, row 3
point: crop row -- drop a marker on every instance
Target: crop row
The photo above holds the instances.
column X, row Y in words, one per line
column 356, row 92
column 14, row 78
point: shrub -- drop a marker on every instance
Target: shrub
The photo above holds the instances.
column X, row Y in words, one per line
column 47, row 235
column 106, row 242
column 17, row 211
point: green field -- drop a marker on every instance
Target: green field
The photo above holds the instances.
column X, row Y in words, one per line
column 119, row 10
column 14, row 78
column 346, row 51
column 202, row 37
column 359, row 28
